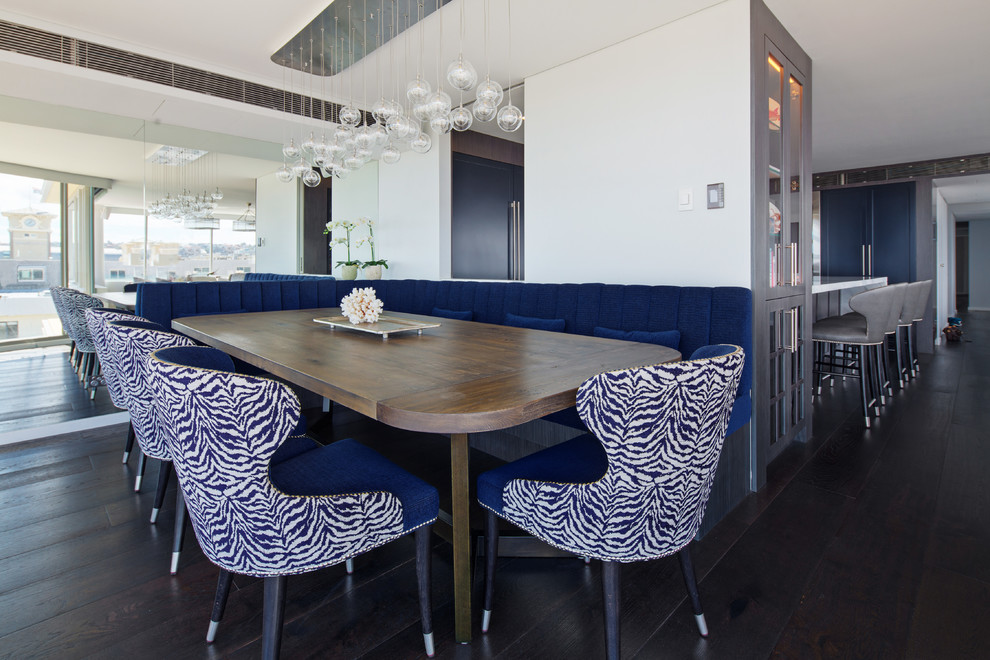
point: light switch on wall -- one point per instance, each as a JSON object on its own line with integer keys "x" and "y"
{"x": 685, "y": 199}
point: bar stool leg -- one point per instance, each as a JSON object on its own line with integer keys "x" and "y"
{"x": 864, "y": 383}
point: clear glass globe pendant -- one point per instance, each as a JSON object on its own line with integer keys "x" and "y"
{"x": 509, "y": 118}
{"x": 461, "y": 75}
{"x": 461, "y": 118}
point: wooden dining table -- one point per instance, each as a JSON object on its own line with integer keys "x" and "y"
{"x": 458, "y": 378}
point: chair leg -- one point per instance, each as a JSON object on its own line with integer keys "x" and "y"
{"x": 274, "y": 609}
{"x": 142, "y": 461}
{"x": 912, "y": 355}
{"x": 423, "y": 573}
{"x": 901, "y": 367}
{"x": 219, "y": 604}
{"x": 611, "y": 589}
{"x": 880, "y": 359}
{"x": 164, "y": 472}
{"x": 179, "y": 531}
{"x": 691, "y": 582}
{"x": 129, "y": 444}
{"x": 491, "y": 556}
{"x": 864, "y": 383}
{"x": 94, "y": 379}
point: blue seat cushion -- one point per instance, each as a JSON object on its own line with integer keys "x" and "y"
{"x": 712, "y": 351}
{"x": 465, "y": 315}
{"x": 294, "y": 445}
{"x": 533, "y": 323}
{"x": 578, "y": 461}
{"x": 668, "y": 338}
{"x": 347, "y": 466}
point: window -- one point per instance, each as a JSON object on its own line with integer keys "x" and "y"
{"x": 27, "y": 274}
{"x": 117, "y": 274}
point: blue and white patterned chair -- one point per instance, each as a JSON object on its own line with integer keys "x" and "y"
{"x": 74, "y": 306}
{"x": 129, "y": 343}
{"x": 58, "y": 301}
{"x": 636, "y": 489}
{"x": 97, "y": 319}
{"x": 254, "y": 516}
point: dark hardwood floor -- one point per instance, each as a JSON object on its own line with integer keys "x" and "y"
{"x": 864, "y": 544}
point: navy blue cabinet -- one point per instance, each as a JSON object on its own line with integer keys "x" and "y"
{"x": 869, "y": 231}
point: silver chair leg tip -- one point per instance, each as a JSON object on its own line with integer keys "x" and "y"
{"x": 127, "y": 455}
{"x": 211, "y": 634}
{"x": 349, "y": 566}
{"x": 154, "y": 516}
{"x": 486, "y": 619}
{"x": 702, "y": 624}
{"x": 137, "y": 484}
{"x": 428, "y": 641}
{"x": 175, "y": 563}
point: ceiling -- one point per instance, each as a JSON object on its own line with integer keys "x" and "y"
{"x": 894, "y": 80}
{"x": 967, "y": 196}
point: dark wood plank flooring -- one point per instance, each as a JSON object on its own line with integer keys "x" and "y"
{"x": 38, "y": 389}
{"x": 864, "y": 544}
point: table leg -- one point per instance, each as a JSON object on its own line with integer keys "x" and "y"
{"x": 461, "y": 507}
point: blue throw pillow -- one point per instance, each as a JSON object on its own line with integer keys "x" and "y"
{"x": 457, "y": 315}
{"x": 533, "y": 323}
{"x": 668, "y": 338}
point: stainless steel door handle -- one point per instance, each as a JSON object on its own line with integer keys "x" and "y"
{"x": 862, "y": 254}
{"x": 869, "y": 257}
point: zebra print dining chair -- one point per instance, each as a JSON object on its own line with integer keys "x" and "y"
{"x": 258, "y": 517}
{"x": 74, "y": 306}
{"x": 633, "y": 490}
{"x": 96, "y": 319}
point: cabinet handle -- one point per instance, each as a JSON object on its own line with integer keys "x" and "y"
{"x": 518, "y": 245}
{"x": 869, "y": 257}
{"x": 862, "y": 255}
{"x": 793, "y": 279}
{"x": 793, "y": 312}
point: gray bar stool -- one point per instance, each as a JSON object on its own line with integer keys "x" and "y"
{"x": 865, "y": 332}
{"x": 914, "y": 311}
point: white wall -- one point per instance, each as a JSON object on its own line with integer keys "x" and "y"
{"x": 352, "y": 198}
{"x": 611, "y": 137}
{"x": 979, "y": 266}
{"x": 279, "y": 217}
{"x": 945, "y": 232}
{"x": 409, "y": 203}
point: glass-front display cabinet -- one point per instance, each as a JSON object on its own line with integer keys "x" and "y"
{"x": 782, "y": 266}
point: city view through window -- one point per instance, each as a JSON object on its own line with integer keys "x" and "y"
{"x": 124, "y": 250}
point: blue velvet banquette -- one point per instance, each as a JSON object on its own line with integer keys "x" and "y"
{"x": 686, "y": 317}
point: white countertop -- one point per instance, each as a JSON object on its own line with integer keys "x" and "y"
{"x": 825, "y": 284}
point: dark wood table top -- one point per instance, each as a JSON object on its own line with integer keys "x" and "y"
{"x": 461, "y": 377}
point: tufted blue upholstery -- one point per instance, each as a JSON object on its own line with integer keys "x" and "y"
{"x": 458, "y": 315}
{"x": 662, "y": 429}
{"x": 257, "y": 519}
{"x": 267, "y": 277}
{"x": 702, "y": 315}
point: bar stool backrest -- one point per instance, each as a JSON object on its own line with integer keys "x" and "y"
{"x": 898, "y": 297}
{"x": 875, "y": 306}
{"x": 922, "y": 291}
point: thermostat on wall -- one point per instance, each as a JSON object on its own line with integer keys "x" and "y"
{"x": 716, "y": 195}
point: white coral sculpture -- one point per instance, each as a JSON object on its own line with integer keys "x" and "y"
{"x": 361, "y": 306}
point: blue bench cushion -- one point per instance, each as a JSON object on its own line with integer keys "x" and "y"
{"x": 347, "y": 466}
{"x": 668, "y": 338}
{"x": 580, "y": 460}
{"x": 534, "y": 323}
{"x": 465, "y": 315}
